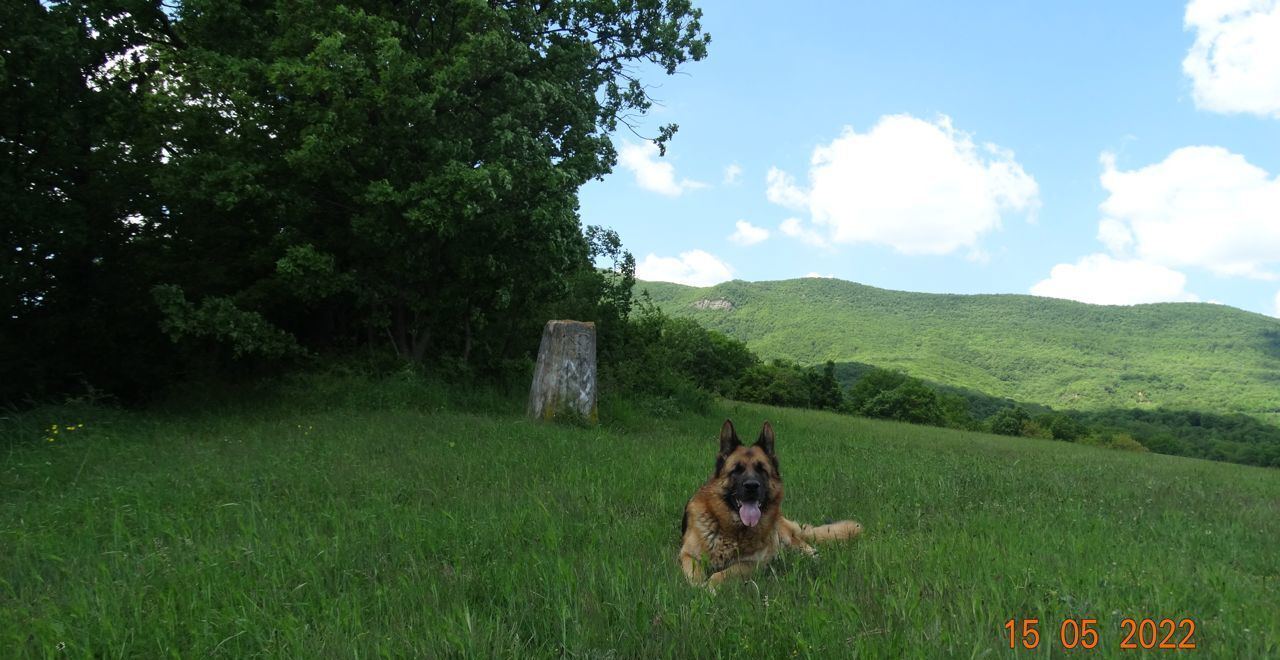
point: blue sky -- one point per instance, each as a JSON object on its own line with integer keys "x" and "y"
{"x": 1106, "y": 152}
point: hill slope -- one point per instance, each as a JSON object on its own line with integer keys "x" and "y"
{"x": 1055, "y": 352}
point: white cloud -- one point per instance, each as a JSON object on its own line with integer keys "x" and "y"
{"x": 1234, "y": 63}
{"x": 748, "y": 234}
{"x": 1201, "y": 206}
{"x": 978, "y": 256}
{"x": 1115, "y": 235}
{"x": 781, "y": 189}
{"x": 917, "y": 186}
{"x": 1102, "y": 280}
{"x": 731, "y": 174}
{"x": 652, "y": 174}
{"x": 828, "y": 276}
{"x": 794, "y": 228}
{"x": 694, "y": 268}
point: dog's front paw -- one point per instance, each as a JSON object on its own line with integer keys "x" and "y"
{"x": 713, "y": 582}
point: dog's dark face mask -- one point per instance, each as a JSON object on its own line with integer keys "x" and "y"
{"x": 751, "y": 473}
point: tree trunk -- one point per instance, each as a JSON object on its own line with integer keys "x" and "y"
{"x": 400, "y": 334}
{"x": 466, "y": 341}
{"x": 420, "y": 341}
{"x": 564, "y": 381}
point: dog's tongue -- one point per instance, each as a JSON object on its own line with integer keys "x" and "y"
{"x": 750, "y": 513}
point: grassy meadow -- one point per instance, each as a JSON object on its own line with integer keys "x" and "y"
{"x": 352, "y": 519}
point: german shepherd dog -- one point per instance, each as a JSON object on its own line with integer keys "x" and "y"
{"x": 734, "y": 522}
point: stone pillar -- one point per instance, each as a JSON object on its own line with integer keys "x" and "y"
{"x": 565, "y": 378}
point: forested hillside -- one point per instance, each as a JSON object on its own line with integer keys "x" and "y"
{"x": 1047, "y": 351}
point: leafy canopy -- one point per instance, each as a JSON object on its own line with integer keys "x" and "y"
{"x": 286, "y": 177}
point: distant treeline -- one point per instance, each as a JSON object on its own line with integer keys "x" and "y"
{"x": 1233, "y": 438}
{"x": 680, "y": 360}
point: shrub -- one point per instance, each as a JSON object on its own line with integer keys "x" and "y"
{"x": 1033, "y": 429}
{"x": 824, "y": 389}
{"x": 894, "y": 395}
{"x": 1066, "y": 428}
{"x": 1125, "y": 442}
{"x": 779, "y": 383}
{"x": 955, "y": 411}
{"x": 872, "y": 384}
{"x": 1009, "y": 421}
{"x": 711, "y": 360}
{"x": 912, "y": 401}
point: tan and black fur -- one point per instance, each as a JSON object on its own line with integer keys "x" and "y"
{"x": 745, "y": 488}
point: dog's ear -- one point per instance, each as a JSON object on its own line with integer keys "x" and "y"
{"x": 728, "y": 442}
{"x": 766, "y": 439}
{"x": 728, "y": 439}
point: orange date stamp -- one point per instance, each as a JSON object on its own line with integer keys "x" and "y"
{"x": 1083, "y": 633}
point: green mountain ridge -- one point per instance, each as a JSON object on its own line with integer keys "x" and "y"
{"x": 1060, "y": 353}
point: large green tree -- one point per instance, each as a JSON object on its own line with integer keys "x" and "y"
{"x": 77, "y": 155}
{"x": 413, "y": 166}
{"x": 280, "y": 177}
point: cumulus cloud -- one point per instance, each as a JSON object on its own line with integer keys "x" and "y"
{"x": 1115, "y": 235}
{"x": 694, "y": 268}
{"x": 1102, "y": 280}
{"x": 828, "y": 276}
{"x": 781, "y": 189}
{"x": 1234, "y": 64}
{"x": 794, "y": 228}
{"x": 748, "y": 234}
{"x": 1201, "y": 206}
{"x": 731, "y": 174}
{"x": 651, "y": 173}
{"x": 920, "y": 187}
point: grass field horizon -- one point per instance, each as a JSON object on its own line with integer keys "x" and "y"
{"x": 397, "y": 518}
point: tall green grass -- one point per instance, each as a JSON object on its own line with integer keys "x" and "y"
{"x": 349, "y": 518}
